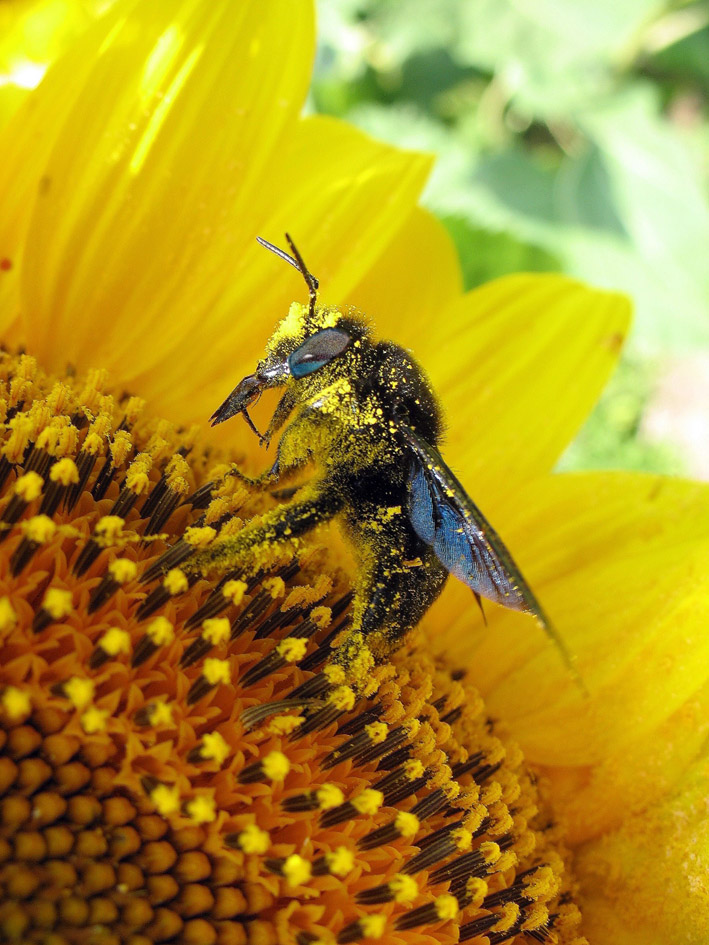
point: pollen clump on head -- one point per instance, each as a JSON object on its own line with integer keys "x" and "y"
{"x": 182, "y": 760}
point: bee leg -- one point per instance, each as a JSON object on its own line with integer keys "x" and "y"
{"x": 263, "y": 481}
{"x": 253, "y": 546}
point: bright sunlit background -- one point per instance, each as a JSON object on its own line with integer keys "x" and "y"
{"x": 570, "y": 136}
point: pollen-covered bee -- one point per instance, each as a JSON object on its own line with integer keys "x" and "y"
{"x": 364, "y": 413}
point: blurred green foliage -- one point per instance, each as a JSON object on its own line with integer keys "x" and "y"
{"x": 570, "y": 136}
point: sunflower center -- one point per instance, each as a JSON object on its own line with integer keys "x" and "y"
{"x": 178, "y": 759}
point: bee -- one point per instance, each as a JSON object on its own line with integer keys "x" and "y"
{"x": 364, "y": 413}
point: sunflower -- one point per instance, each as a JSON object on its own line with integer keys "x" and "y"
{"x": 148, "y": 790}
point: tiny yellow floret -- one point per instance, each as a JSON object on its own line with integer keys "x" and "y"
{"x": 369, "y": 801}
{"x": 15, "y": 703}
{"x": 462, "y": 838}
{"x": 166, "y": 799}
{"x": 160, "y": 631}
{"x": 343, "y": 698}
{"x": 446, "y": 906}
{"x": 202, "y": 810}
{"x": 175, "y": 582}
{"x": 199, "y": 536}
{"x": 508, "y": 917}
{"x": 329, "y": 796}
{"x": 373, "y": 926}
{"x": 109, "y": 528}
{"x": 254, "y": 840}
{"x": 79, "y": 691}
{"x": 94, "y": 720}
{"x": 161, "y": 714}
{"x": 216, "y": 630}
{"x": 296, "y": 870}
{"x": 29, "y": 486}
{"x": 377, "y": 732}
{"x": 8, "y": 617}
{"x": 340, "y": 861}
{"x": 214, "y": 747}
{"x": 275, "y": 586}
{"x": 123, "y": 570}
{"x": 404, "y": 888}
{"x": 490, "y": 852}
{"x": 65, "y": 472}
{"x": 414, "y": 769}
{"x": 477, "y": 889}
{"x": 234, "y": 591}
{"x": 275, "y": 765}
{"x": 293, "y": 649}
{"x": 535, "y": 916}
{"x": 39, "y": 529}
{"x": 216, "y": 671}
{"x": 407, "y": 824}
{"x": 115, "y": 641}
{"x": 58, "y": 603}
{"x": 334, "y": 674}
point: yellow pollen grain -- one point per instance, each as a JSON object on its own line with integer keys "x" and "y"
{"x": 15, "y": 702}
{"x": 29, "y": 486}
{"x": 407, "y": 824}
{"x": 214, "y": 747}
{"x": 462, "y": 838}
{"x": 199, "y": 536}
{"x": 39, "y": 529}
{"x": 108, "y": 529}
{"x": 329, "y": 796}
{"x": 65, "y": 472}
{"x": 275, "y": 586}
{"x": 414, "y": 769}
{"x": 79, "y": 691}
{"x": 275, "y": 765}
{"x": 57, "y": 603}
{"x": 293, "y": 649}
{"x": 368, "y": 802}
{"x": 321, "y": 617}
{"x": 334, "y": 674}
{"x": 535, "y": 916}
{"x": 404, "y": 888}
{"x": 201, "y": 810}
{"x": 175, "y": 582}
{"x": 507, "y": 860}
{"x": 115, "y": 641}
{"x": 508, "y": 917}
{"x": 8, "y": 617}
{"x": 296, "y": 870}
{"x": 216, "y": 671}
{"x": 343, "y": 698}
{"x": 166, "y": 799}
{"x": 377, "y": 732}
{"x": 254, "y": 840}
{"x": 161, "y": 714}
{"x": 340, "y": 861}
{"x": 123, "y": 570}
{"x": 446, "y": 906}
{"x": 94, "y": 720}
{"x": 284, "y": 724}
{"x": 216, "y": 630}
{"x": 160, "y": 631}
{"x": 490, "y": 852}
{"x": 137, "y": 479}
{"x": 373, "y": 926}
{"x": 120, "y": 447}
{"x": 477, "y": 889}
{"x": 234, "y": 591}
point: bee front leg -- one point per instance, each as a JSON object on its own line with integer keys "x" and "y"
{"x": 253, "y": 546}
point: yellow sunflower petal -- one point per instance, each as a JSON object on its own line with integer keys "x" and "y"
{"x": 322, "y": 185}
{"x": 406, "y": 290}
{"x": 151, "y": 164}
{"x": 646, "y": 883}
{"x": 619, "y": 562}
{"x": 519, "y": 363}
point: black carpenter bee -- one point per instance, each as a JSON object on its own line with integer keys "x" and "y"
{"x": 365, "y": 414}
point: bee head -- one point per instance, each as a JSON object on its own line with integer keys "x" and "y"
{"x": 310, "y": 339}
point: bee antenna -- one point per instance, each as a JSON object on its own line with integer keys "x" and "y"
{"x": 296, "y": 261}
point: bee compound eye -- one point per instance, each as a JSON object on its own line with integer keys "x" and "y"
{"x": 317, "y": 351}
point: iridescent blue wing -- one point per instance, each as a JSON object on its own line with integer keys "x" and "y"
{"x": 444, "y": 516}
